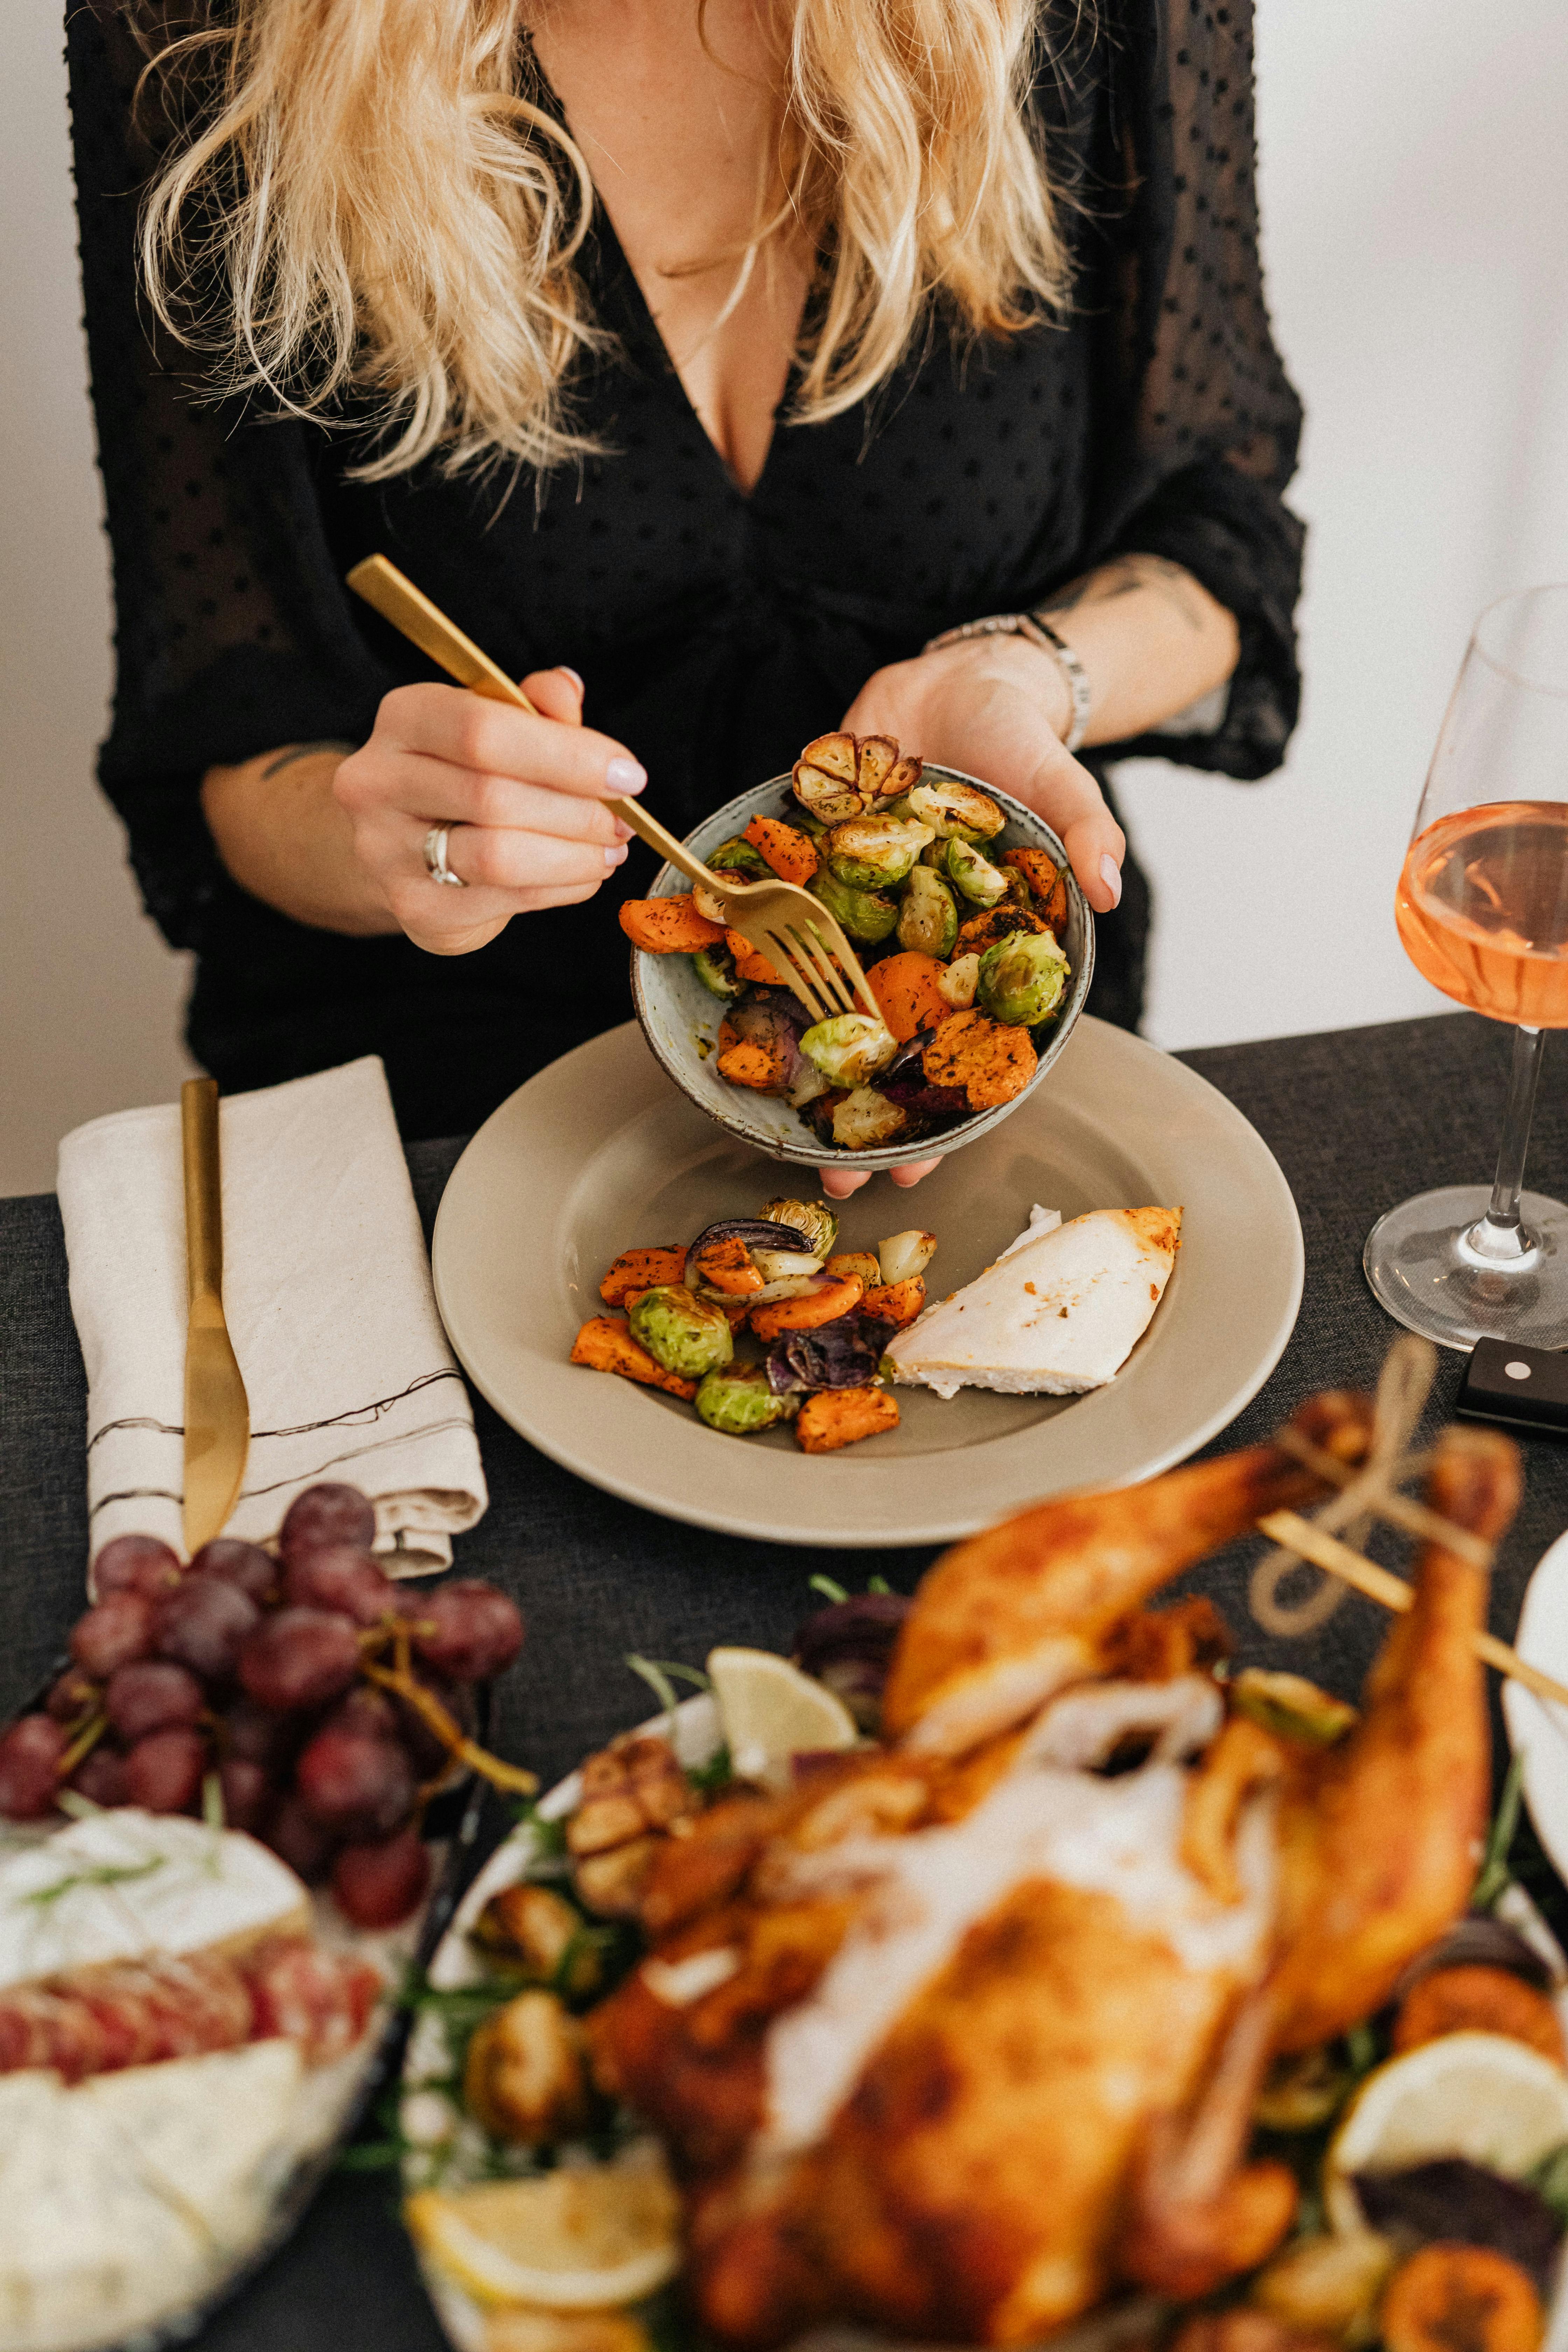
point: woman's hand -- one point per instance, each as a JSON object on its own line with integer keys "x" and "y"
{"x": 523, "y": 796}
{"x": 996, "y": 708}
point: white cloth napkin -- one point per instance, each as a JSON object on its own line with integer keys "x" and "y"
{"x": 328, "y": 1300}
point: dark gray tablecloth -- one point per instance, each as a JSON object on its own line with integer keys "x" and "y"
{"x": 1357, "y": 1119}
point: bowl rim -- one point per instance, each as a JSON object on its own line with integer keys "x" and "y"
{"x": 808, "y": 1152}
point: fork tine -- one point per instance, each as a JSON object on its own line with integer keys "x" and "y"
{"x": 853, "y": 985}
{"x": 810, "y": 941}
{"x": 781, "y": 952}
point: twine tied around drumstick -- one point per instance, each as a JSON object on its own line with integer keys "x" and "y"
{"x": 1329, "y": 1539}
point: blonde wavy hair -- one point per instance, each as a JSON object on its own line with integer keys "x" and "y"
{"x": 370, "y": 203}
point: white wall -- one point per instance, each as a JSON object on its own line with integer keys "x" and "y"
{"x": 90, "y": 996}
{"x": 1415, "y": 189}
{"x": 1416, "y": 199}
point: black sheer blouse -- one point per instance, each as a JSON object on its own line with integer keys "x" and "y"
{"x": 717, "y": 631}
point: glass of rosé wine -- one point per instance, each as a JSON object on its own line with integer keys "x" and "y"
{"x": 1482, "y": 909}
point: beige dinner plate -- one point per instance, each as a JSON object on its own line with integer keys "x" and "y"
{"x": 599, "y": 1154}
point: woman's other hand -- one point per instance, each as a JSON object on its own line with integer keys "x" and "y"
{"x": 524, "y": 797}
{"x": 996, "y": 708}
{"x": 839, "y": 1182}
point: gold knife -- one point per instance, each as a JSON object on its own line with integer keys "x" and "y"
{"x": 217, "y": 1411}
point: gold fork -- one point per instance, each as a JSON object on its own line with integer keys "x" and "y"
{"x": 791, "y": 929}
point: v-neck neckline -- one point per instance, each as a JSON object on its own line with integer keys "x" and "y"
{"x": 603, "y": 228}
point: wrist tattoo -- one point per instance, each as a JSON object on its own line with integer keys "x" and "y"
{"x": 1124, "y": 576}
{"x": 305, "y": 752}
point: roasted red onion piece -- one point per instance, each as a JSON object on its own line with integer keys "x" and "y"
{"x": 849, "y": 1646}
{"x": 1478, "y": 1941}
{"x": 843, "y": 1354}
{"x": 1450, "y": 2199}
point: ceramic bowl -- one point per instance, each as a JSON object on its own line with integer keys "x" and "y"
{"x": 680, "y": 1018}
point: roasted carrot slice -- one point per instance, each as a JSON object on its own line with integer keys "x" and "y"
{"x": 668, "y": 926}
{"x": 1453, "y": 2298}
{"x": 791, "y": 853}
{"x": 641, "y": 1269}
{"x": 897, "y": 1302}
{"x": 991, "y": 1060}
{"x": 727, "y": 1266}
{"x": 749, "y": 964}
{"x": 1478, "y": 2001}
{"x": 750, "y": 1065}
{"x": 1047, "y": 884}
{"x": 836, "y": 1417}
{"x": 905, "y": 986}
{"x": 815, "y": 1306}
{"x": 606, "y": 1345}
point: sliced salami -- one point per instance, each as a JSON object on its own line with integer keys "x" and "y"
{"x": 321, "y": 2000}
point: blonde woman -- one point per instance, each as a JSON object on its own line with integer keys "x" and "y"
{"x": 706, "y": 359}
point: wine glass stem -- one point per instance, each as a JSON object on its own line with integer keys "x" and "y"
{"x": 1498, "y": 1233}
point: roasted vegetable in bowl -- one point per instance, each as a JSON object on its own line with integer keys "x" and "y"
{"x": 912, "y": 870}
{"x": 824, "y": 1322}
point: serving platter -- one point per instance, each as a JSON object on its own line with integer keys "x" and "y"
{"x": 442, "y": 2148}
{"x": 599, "y": 1154}
{"x": 1537, "y": 1730}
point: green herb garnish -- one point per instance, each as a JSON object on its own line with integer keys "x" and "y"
{"x": 98, "y": 1874}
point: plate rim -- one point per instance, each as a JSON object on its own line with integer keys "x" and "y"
{"x": 863, "y": 1530}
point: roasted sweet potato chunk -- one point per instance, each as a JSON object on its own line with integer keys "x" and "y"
{"x": 749, "y": 1064}
{"x": 983, "y": 931}
{"x": 1478, "y": 2001}
{"x": 791, "y": 853}
{"x": 1453, "y": 2298}
{"x": 749, "y": 963}
{"x": 727, "y": 1266}
{"x": 906, "y": 987}
{"x": 1047, "y": 884}
{"x": 992, "y": 1061}
{"x": 641, "y": 1269}
{"x": 836, "y": 1417}
{"x": 669, "y": 926}
{"x": 606, "y": 1345}
{"x": 895, "y": 1302}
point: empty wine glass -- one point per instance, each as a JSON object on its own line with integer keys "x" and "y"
{"x": 1482, "y": 909}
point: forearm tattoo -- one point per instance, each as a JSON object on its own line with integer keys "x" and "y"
{"x": 1124, "y": 576}
{"x": 303, "y": 751}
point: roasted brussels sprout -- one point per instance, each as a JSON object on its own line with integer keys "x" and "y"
{"x": 974, "y": 876}
{"x": 866, "y": 1119}
{"x": 739, "y": 855}
{"x": 928, "y": 916}
{"x": 868, "y": 916}
{"x": 849, "y": 1048}
{"x": 681, "y": 1331}
{"x": 1021, "y": 978}
{"x": 815, "y": 1219}
{"x": 715, "y": 969}
{"x": 738, "y": 1400}
{"x": 954, "y": 812}
{"x": 874, "y": 853}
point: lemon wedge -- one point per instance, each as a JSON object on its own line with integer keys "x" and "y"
{"x": 771, "y": 1711}
{"x": 589, "y": 2239}
{"x": 1479, "y": 2096}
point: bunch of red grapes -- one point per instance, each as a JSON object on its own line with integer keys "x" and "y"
{"x": 275, "y": 1674}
